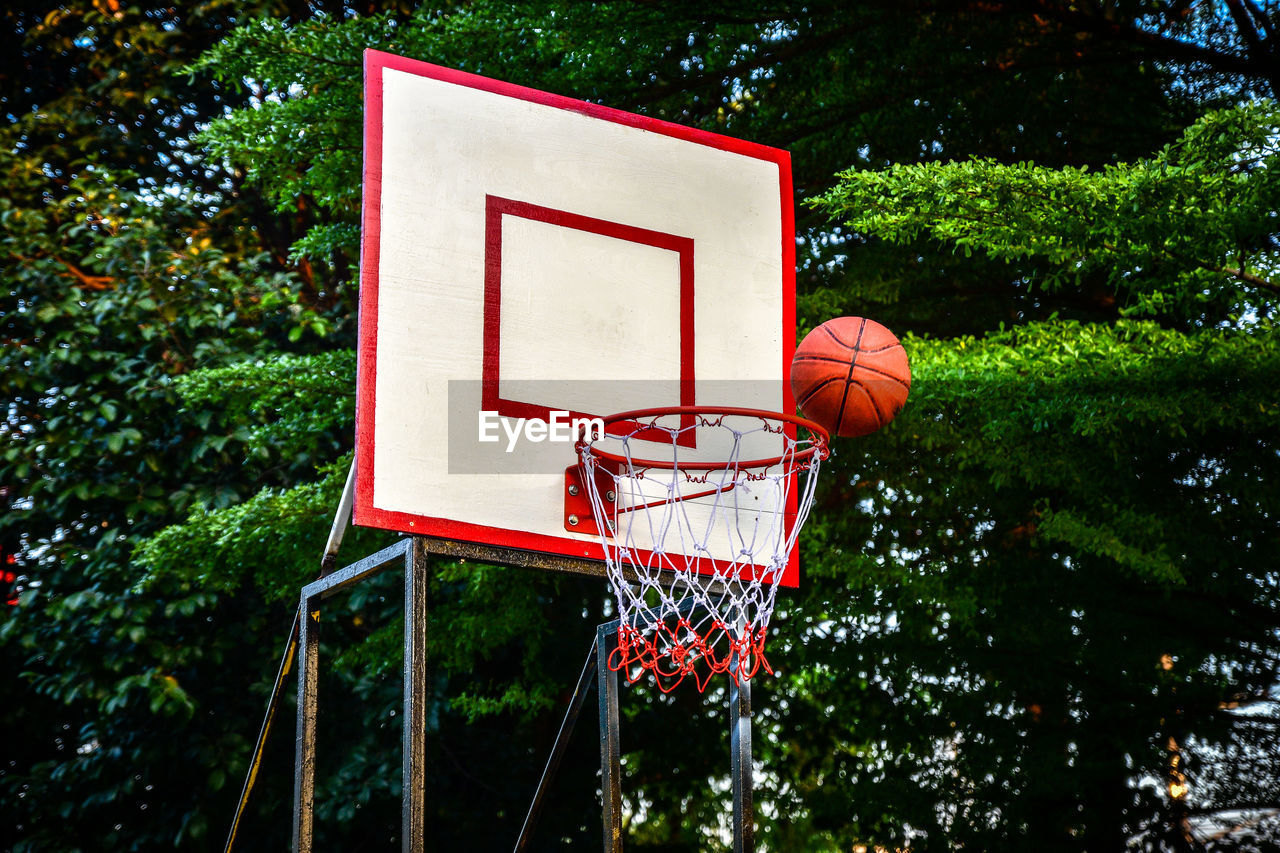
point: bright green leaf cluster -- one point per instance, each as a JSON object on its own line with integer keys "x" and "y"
{"x": 1187, "y": 233}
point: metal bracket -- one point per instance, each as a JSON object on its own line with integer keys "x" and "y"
{"x": 579, "y": 517}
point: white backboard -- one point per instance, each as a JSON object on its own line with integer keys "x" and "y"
{"x": 526, "y": 253}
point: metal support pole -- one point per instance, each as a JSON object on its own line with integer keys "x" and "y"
{"x": 414, "y": 735}
{"x": 341, "y": 519}
{"x": 273, "y": 706}
{"x": 744, "y": 831}
{"x": 576, "y": 702}
{"x": 304, "y": 776}
{"x": 610, "y": 747}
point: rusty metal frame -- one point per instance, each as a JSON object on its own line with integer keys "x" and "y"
{"x": 413, "y": 553}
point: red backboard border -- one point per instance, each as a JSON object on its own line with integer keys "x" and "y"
{"x": 368, "y": 515}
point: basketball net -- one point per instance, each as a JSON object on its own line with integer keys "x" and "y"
{"x": 695, "y": 546}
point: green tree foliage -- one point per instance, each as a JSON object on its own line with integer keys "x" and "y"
{"x": 127, "y": 261}
{"x": 818, "y": 81}
{"x": 109, "y": 295}
{"x": 1023, "y": 601}
{"x": 1111, "y": 594}
{"x": 1186, "y": 236}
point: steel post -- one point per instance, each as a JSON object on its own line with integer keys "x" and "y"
{"x": 304, "y": 774}
{"x": 414, "y": 734}
{"x": 744, "y": 834}
{"x": 610, "y": 746}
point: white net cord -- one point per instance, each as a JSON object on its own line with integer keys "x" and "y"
{"x": 695, "y": 546}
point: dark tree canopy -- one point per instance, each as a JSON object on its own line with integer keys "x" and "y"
{"x": 1039, "y": 610}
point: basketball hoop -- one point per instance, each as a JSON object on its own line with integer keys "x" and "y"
{"x": 698, "y": 510}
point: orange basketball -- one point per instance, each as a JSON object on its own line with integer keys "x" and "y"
{"x": 850, "y": 375}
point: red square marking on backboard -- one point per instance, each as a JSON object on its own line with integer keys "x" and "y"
{"x": 496, "y": 208}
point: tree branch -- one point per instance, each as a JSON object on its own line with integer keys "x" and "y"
{"x": 1171, "y": 47}
{"x": 1245, "y": 276}
{"x": 1260, "y": 18}
{"x": 1245, "y": 26}
{"x": 1265, "y": 805}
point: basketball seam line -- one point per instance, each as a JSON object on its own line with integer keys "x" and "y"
{"x": 848, "y": 346}
{"x": 858, "y": 345}
{"x": 853, "y": 360}
{"x": 813, "y": 392}
{"x": 871, "y": 398}
{"x": 874, "y": 370}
